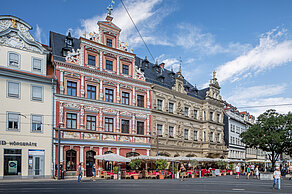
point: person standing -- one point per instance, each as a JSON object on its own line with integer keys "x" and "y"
{"x": 182, "y": 170}
{"x": 237, "y": 168}
{"x": 79, "y": 172}
{"x": 248, "y": 172}
{"x": 277, "y": 178}
{"x": 257, "y": 172}
{"x": 252, "y": 169}
{"x": 93, "y": 172}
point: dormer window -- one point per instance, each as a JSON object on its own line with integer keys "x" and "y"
{"x": 69, "y": 42}
{"x": 109, "y": 42}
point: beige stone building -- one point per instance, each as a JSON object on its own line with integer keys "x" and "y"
{"x": 26, "y": 103}
{"x": 187, "y": 121}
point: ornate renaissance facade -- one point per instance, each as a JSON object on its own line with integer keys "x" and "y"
{"x": 103, "y": 103}
{"x": 187, "y": 121}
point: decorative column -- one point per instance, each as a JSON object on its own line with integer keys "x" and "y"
{"x": 133, "y": 124}
{"x": 118, "y": 121}
{"x": 81, "y": 158}
{"x": 148, "y": 125}
{"x": 118, "y": 93}
{"x": 62, "y": 82}
{"x": 118, "y": 65}
{"x": 148, "y": 98}
{"x": 100, "y": 119}
{"x": 82, "y": 116}
{"x": 61, "y": 113}
{"x": 134, "y": 96}
{"x": 148, "y": 151}
{"x": 100, "y": 151}
{"x": 100, "y": 61}
{"x": 82, "y": 86}
{"x": 118, "y": 151}
{"x": 61, "y": 154}
{"x": 82, "y": 53}
{"x": 100, "y": 90}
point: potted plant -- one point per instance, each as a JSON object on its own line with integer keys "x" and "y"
{"x": 135, "y": 165}
{"x": 231, "y": 168}
{"x": 116, "y": 171}
{"x": 194, "y": 164}
{"x": 161, "y": 165}
{"x": 222, "y": 165}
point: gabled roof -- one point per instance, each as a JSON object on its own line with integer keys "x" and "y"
{"x": 109, "y": 24}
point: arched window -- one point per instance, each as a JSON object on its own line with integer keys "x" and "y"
{"x": 108, "y": 152}
{"x": 176, "y": 155}
{"x": 70, "y": 160}
{"x": 190, "y": 155}
{"x": 130, "y": 154}
{"x": 164, "y": 154}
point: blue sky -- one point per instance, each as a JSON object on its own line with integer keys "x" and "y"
{"x": 248, "y": 42}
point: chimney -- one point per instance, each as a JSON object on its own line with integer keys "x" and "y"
{"x": 162, "y": 65}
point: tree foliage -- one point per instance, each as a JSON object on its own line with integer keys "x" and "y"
{"x": 271, "y": 133}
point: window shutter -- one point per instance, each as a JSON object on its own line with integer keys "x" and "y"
{"x": 36, "y": 93}
{"x": 13, "y": 89}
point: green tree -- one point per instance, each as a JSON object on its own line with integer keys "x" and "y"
{"x": 271, "y": 133}
{"x": 135, "y": 164}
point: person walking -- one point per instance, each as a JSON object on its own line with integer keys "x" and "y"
{"x": 252, "y": 169}
{"x": 181, "y": 171}
{"x": 277, "y": 178}
{"x": 93, "y": 172}
{"x": 237, "y": 168}
{"x": 79, "y": 172}
{"x": 257, "y": 172}
{"x": 248, "y": 172}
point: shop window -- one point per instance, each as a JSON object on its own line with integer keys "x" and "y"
{"x": 91, "y": 92}
{"x": 91, "y": 60}
{"x": 37, "y": 93}
{"x": 109, "y": 124}
{"x": 140, "y": 100}
{"x": 109, "y": 93}
{"x": 71, "y": 88}
{"x": 125, "y": 69}
{"x": 125, "y": 98}
{"x": 90, "y": 123}
{"x": 13, "y": 89}
{"x": 37, "y": 65}
{"x": 71, "y": 121}
{"x": 170, "y": 131}
{"x": 12, "y": 162}
{"x": 13, "y": 121}
{"x": 140, "y": 128}
{"x": 125, "y": 126}
{"x": 36, "y": 125}
{"x": 71, "y": 160}
{"x": 14, "y": 59}
{"x": 109, "y": 65}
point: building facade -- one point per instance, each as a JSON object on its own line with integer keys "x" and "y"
{"x": 26, "y": 103}
{"x": 185, "y": 121}
{"x": 234, "y": 125}
{"x": 103, "y": 103}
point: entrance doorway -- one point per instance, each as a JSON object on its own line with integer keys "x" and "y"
{"x": 89, "y": 162}
{"x": 36, "y": 162}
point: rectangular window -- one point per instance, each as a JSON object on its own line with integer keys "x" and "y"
{"x": 140, "y": 128}
{"x": 125, "y": 69}
{"x": 12, "y": 162}
{"x": 109, "y": 124}
{"x": 196, "y": 114}
{"x": 195, "y": 135}
{"x": 186, "y": 134}
{"x": 237, "y": 130}
{"x": 140, "y": 100}
{"x": 37, "y": 65}
{"x": 218, "y": 137}
{"x": 109, "y": 42}
{"x": 204, "y": 114}
{"x": 109, "y": 95}
{"x": 71, "y": 88}
{"x": 211, "y": 136}
{"x": 159, "y": 130}
{"x": 91, "y": 92}
{"x": 90, "y": 123}
{"x": 186, "y": 111}
{"x": 36, "y": 123}
{"x": 91, "y": 60}
{"x": 71, "y": 121}
{"x": 13, "y": 89}
{"x": 37, "y": 93}
{"x": 204, "y": 135}
{"x": 125, "y": 98}
{"x": 170, "y": 107}
{"x": 109, "y": 65}
{"x": 218, "y": 118}
{"x": 159, "y": 104}
{"x": 125, "y": 126}
{"x": 170, "y": 131}
{"x": 232, "y": 127}
{"x": 211, "y": 116}
{"x": 13, "y": 59}
{"x": 13, "y": 121}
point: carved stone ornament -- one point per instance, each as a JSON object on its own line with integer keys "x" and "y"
{"x": 73, "y": 56}
{"x": 138, "y": 74}
{"x": 72, "y": 105}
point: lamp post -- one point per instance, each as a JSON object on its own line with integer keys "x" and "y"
{"x": 59, "y": 139}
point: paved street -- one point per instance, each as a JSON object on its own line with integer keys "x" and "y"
{"x": 207, "y": 185}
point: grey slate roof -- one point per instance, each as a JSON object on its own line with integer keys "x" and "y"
{"x": 152, "y": 72}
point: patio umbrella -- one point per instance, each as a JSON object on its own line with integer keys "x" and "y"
{"x": 112, "y": 157}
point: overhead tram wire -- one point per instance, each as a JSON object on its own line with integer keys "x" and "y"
{"x": 262, "y": 106}
{"x": 137, "y": 30}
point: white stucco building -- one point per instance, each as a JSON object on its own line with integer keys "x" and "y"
{"x": 26, "y": 103}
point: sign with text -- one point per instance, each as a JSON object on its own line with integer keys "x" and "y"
{"x": 18, "y": 143}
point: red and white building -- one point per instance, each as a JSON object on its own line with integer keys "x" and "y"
{"x": 103, "y": 103}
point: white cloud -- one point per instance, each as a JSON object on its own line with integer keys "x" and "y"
{"x": 38, "y": 34}
{"x": 146, "y": 16}
{"x": 273, "y": 50}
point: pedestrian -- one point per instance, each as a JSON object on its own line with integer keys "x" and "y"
{"x": 248, "y": 172}
{"x": 257, "y": 172}
{"x": 181, "y": 171}
{"x": 79, "y": 172}
{"x": 252, "y": 169}
{"x": 277, "y": 178}
{"x": 93, "y": 172}
{"x": 237, "y": 171}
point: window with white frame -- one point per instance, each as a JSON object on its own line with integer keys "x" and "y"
{"x": 13, "y": 121}
{"x": 211, "y": 116}
{"x": 37, "y": 93}
{"x": 170, "y": 107}
{"x": 186, "y": 134}
{"x": 196, "y": 114}
{"x": 36, "y": 123}
{"x": 159, "y": 104}
{"x": 14, "y": 59}
{"x": 186, "y": 111}
{"x": 204, "y": 135}
{"x": 13, "y": 89}
{"x": 218, "y": 118}
{"x": 218, "y": 137}
{"x": 170, "y": 131}
{"x": 195, "y": 135}
{"x": 37, "y": 65}
{"x": 211, "y": 136}
{"x": 159, "y": 130}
